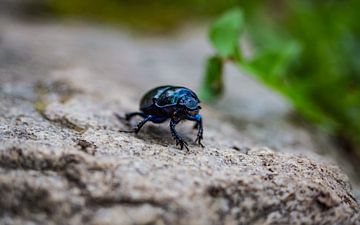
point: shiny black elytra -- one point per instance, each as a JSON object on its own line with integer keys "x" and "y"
{"x": 169, "y": 102}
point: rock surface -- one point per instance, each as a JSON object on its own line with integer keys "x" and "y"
{"x": 64, "y": 161}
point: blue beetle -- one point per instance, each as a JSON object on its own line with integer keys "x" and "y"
{"x": 169, "y": 102}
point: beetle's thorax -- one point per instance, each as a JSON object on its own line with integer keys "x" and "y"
{"x": 189, "y": 102}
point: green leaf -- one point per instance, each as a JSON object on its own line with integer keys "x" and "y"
{"x": 224, "y": 33}
{"x": 273, "y": 63}
{"x": 212, "y": 85}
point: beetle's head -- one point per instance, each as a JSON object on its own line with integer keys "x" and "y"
{"x": 190, "y": 104}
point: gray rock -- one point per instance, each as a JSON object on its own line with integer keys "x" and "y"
{"x": 64, "y": 161}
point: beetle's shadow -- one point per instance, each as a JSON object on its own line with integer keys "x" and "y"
{"x": 160, "y": 134}
{"x": 156, "y": 133}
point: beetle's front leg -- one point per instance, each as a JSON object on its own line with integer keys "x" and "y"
{"x": 179, "y": 140}
{"x": 197, "y": 118}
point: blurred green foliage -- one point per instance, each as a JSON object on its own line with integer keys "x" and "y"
{"x": 224, "y": 34}
{"x": 308, "y": 51}
{"x": 212, "y": 86}
{"x": 156, "y": 15}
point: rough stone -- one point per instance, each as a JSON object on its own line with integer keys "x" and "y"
{"x": 63, "y": 160}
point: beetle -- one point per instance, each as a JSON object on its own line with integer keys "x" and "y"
{"x": 169, "y": 102}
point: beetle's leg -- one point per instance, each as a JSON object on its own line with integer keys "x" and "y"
{"x": 179, "y": 140}
{"x": 128, "y": 116}
{"x": 141, "y": 124}
{"x": 199, "y": 126}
